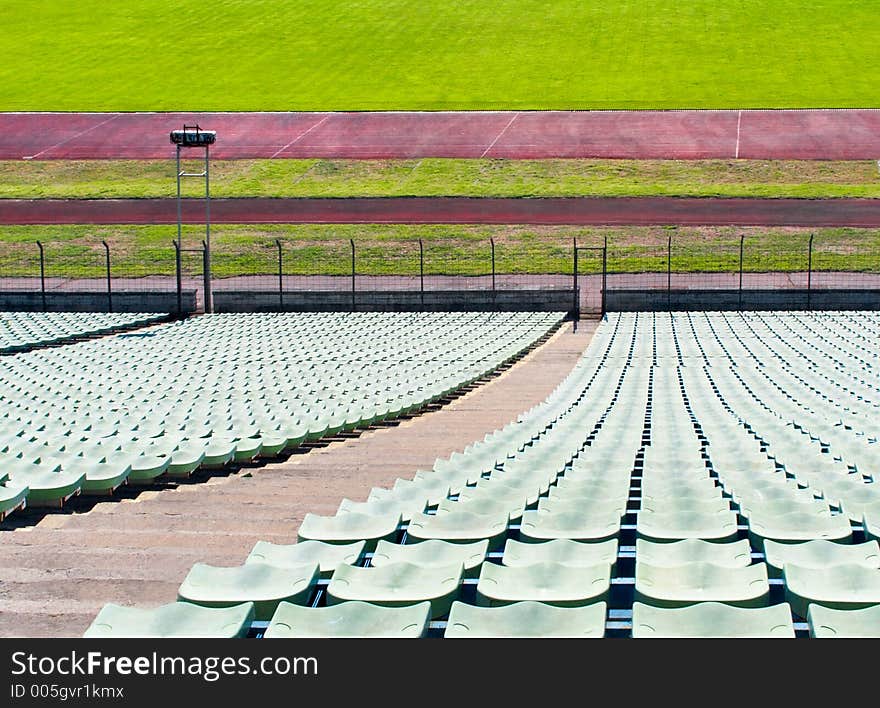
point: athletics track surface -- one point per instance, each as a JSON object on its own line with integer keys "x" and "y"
{"x": 754, "y": 134}
{"x": 454, "y": 210}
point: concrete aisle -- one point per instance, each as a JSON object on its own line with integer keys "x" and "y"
{"x": 57, "y": 574}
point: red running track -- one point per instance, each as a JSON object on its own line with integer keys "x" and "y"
{"x": 793, "y": 134}
{"x": 455, "y": 210}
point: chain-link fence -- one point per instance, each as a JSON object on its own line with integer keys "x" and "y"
{"x": 84, "y": 274}
{"x": 391, "y": 273}
{"x": 645, "y": 269}
{"x": 723, "y": 271}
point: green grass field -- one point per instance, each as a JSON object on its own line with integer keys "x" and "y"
{"x": 437, "y": 54}
{"x": 435, "y": 177}
{"x": 242, "y": 250}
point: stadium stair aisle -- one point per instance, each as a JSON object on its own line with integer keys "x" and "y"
{"x": 745, "y": 504}
{"x": 57, "y": 575}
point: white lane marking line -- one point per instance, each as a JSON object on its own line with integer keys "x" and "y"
{"x": 301, "y": 135}
{"x": 498, "y": 137}
{"x": 72, "y": 137}
{"x": 738, "y": 129}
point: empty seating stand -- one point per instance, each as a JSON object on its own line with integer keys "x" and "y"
{"x": 212, "y": 391}
{"x": 695, "y": 475}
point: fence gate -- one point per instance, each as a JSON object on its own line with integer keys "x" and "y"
{"x": 192, "y": 276}
{"x": 589, "y": 280}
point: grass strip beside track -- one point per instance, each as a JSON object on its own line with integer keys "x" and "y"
{"x": 241, "y": 250}
{"x": 95, "y": 179}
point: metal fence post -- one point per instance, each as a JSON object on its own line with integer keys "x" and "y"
{"x": 669, "y": 272}
{"x": 422, "y": 273}
{"x": 494, "y": 295}
{"x": 209, "y": 297}
{"x": 492, "y": 245}
{"x": 740, "y": 299}
{"x": 179, "y": 276}
{"x": 42, "y": 275}
{"x": 604, "y": 272}
{"x": 109, "y": 288}
{"x": 810, "y": 273}
{"x": 280, "y": 275}
{"x": 575, "y": 303}
{"x": 351, "y": 241}
{"x": 206, "y": 275}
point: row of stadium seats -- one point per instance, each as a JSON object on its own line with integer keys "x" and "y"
{"x": 20, "y": 331}
{"x": 219, "y": 389}
{"x": 665, "y": 488}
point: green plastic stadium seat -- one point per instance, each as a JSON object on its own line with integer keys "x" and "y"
{"x": 349, "y": 528}
{"x": 434, "y": 491}
{"x": 820, "y": 554}
{"x": 779, "y": 507}
{"x": 872, "y": 526}
{"x": 433, "y": 553}
{"x": 856, "y": 510}
{"x": 538, "y": 526}
{"x": 560, "y": 550}
{"x": 247, "y": 449}
{"x": 734, "y": 554}
{"x": 757, "y": 494}
{"x": 219, "y": 450}
{"x": 327, "y": 555}
{"x": 100, "y": 477}
{"x": 147, "y": 467}
{"x": 264, "y": 585}
{"x": 351, "y": 619}
{"x": 47, "y": 488}
{"x": 582, "y": 505}
{"x": 405, "y": 508}
{"x": 798, "y": 526}
{"x": 177, "y": 619}
{"x": 699, "y": 495}
{"x": 712, "y": 620}
{"x": 843, "y": 587}
{"x": 602, "y": 491}
{"x": 690, "y": 583}
{"x": 714, "y": 526}
{"x": 525, "y": 619}
{"x": 459, "y": 527}
{"x": 685, "y": 505}
{"x": 502, "y": 487}
{"x": 662, "y": 485}
{"x": 397, "y": 585}
{"x": 12, "y": 498}
{"x": 826, "y": 623}
{"x": 185, "y": 459}
{"x": 486, "y": 503}
{"x": 272, "y": 443}
{"x": 550, "y": 583}
{"x": 601, "y": 488}
{"x": 410, "y": 499}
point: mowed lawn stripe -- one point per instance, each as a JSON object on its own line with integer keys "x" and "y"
{"x": 437, "y": 54}
{"x": 96, "y": 179}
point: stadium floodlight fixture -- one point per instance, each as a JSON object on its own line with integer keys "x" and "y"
{"x": 193, "y": 136}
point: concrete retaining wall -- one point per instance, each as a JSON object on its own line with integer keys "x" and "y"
{"x": 73, "y": 301}
{"x": 795, "y": 299}
{"x": 393, "y": 301}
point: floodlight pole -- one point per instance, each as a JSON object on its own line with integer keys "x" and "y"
{"x": 179, "y": 212}
{"x": 193, "y": 136}
{"x": 209, "y": 296}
